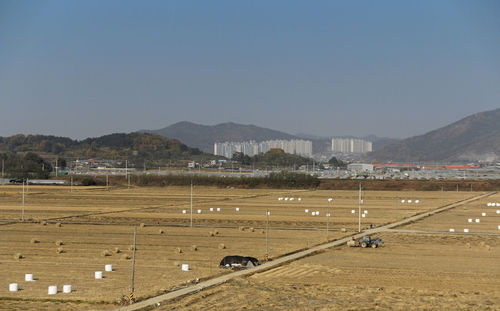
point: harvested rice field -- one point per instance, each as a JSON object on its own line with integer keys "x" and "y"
{"x": 67, "y": 235}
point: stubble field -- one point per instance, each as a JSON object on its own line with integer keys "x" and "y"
{"x": 94, "y": 219}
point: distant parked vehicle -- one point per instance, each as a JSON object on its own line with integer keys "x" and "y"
{"x": 17, "y": 181}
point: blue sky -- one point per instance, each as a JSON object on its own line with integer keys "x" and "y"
{"x": 389, "y": 68}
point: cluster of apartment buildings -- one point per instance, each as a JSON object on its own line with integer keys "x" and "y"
{"x": 351, "y": 145}
{"x": 251, "y": 148}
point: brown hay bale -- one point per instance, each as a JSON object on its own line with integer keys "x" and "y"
{"x": 482, "y": 244}
{"x": 241, "y": 228}
{"x": 211, "y": 233}
{"x": 58, "y": 224}
{"x": 105, "y": 253}
{"x": 178, "y": 250}
{"x": 222, "y": 246}
{"x": 216, "y": 232}
{"x": 343, "y": 230}
{"x": 35, "y": 240}
{"x": 43, "y": 223}
{"x": 161, "y": 231}
{"x": 18, "y": 256}
{"x": 116, "y": 250}
{"x": 252, "y": 230}
{"x": 467, "y": 245}
{"x": 177, "y": 264}
{"x": 142, "y": 225}
{"x": 194, "y": 247}
{"x": 262, "y": 231}
{"x": 59, "y": 243}
{"x": 131, "y": 248}
{"x": 125, "y": 257}
{"x": 60, "y": 250}
{"x": 487, "y": 247}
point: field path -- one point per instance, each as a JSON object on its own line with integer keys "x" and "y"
{"x": 292, "y": 257}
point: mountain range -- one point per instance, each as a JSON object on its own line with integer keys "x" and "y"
{"x": 204, "y": 136}
{"x": 473, "y": 138}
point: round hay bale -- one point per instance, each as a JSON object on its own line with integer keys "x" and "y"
{"x": 116, "y": 250}
{"x": 60, "y": 250}
{"x": 343, "y": 230}
{"x": 252, "y": 230}
{"x": 35, "y": 240}
{"x": 178, "y": 250}
{"x": 125, "y": 257}
{"x": 59, "y": 243}
{"x": 105, "y": 253}
{"x": 262, "y": 231}
{"x": 467, "y": 245}
{"x": 131, "y": 248}
{"x": 216, "y": 232}
{"x": 18, "y": 256}
{"x": 177, "y": 263}
{"x": 58, "y": 224}
{"x": 222, "y": 246}
{"x": 482, "y": 244}
{"x": 487, "y": 247}
{"x": 194, "y": 247}
{"x": 43, "y": 223}
{"x": 211, "y": 233}
{"x": 161, "y": 231}
{"x": 142, "y": 225}
{"x": 241, "y": 228}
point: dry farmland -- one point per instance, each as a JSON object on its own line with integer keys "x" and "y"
{"x": 68, "y": 235}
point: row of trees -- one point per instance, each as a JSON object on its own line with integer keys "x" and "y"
{"x": 277, "y": 157}
{"x": 273, "y": 180}
{"x": 272, "y": 158}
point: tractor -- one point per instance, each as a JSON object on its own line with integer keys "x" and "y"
{"x": 365, "y": 241}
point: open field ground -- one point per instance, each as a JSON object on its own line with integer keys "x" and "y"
{"x": 94, "y": 220}
{"x": 410, "y": 272}
{"x": 458, "y": 218}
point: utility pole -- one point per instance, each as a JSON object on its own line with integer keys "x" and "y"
{"x": 132, "y": 288}
{"x": 107, "y": 182}
{"x": 328, "y": 217}
{"x": 359, "y": 209}
{"x": 22, "y": 213}
{"x": 191, "y": 204}
{"x": 56, "y": 167}
{"x": 267, "y": 234}
{"x": 71, "y": 187}
{"x": 3, "y": 165}
{"x": 126, "y": 169}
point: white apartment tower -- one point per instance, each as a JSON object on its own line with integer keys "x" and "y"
{"x": 351, "y": 145}
{"x": 251, "y": 148}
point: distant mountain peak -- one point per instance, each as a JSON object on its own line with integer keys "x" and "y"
{"x": 473, "y": 138}
{"x": 204, "y": 136}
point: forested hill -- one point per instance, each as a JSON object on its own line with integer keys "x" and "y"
{"x": 474, "y": 138}
{"x": 133, "y": 146}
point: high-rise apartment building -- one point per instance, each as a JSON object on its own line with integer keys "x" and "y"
{"x": 351, "y": 145}
{"x": 251, "y": 148}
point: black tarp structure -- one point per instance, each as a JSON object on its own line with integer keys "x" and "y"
{"x": 231, "y": 262}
